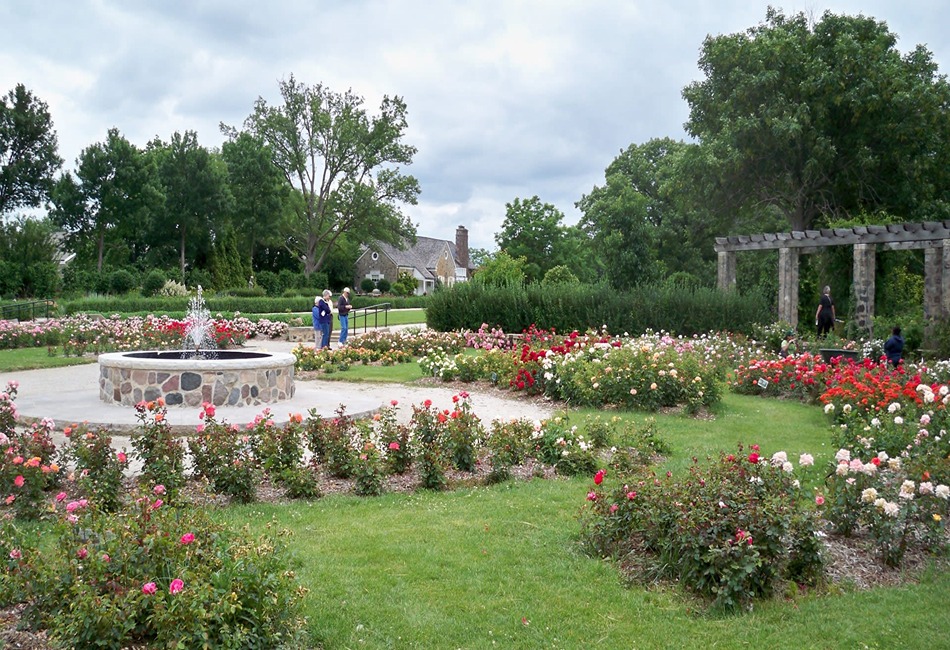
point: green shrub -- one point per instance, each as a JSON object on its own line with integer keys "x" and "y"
{"x": 159, "y": 577}
{"x": 748, "y": 527}
{"x": 367, "y": 285}
{"x": 384, "y": 285}
{"x": 121, "y": 281}
{"x": 680, "y": 310}
{"x": 559, "y": 275}
{"x": 153, "y": 282}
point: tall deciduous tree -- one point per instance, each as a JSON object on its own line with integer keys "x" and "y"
{"x": 343, "y": 162}
{"x": 196, "y": 194}
{"x": 116, "y": 192}
{"x": 532, "y": 230}
{"x": 259, "y": 190}
{"x": 28, "y": 158}
{"x": 615, "y": 216}
{"x": 822, "y": 119}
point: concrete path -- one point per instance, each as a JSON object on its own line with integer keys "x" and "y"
{"x": 70, "y": 395}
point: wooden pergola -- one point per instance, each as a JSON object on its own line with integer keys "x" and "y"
{"x": 932, "y": 236}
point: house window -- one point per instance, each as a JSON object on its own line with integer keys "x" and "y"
{"x": 375, "y": 256}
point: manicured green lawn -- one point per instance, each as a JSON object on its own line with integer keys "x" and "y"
{"x": 32, "y": 358}
{"x": 500, "y": 567}
{"x": 402, "y": 373}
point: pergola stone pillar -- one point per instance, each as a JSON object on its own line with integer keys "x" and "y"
{"x": 788, "y": 285}
{"x": 933, "y": 283}
{"x": 944, "y": 310}
{"x": 726, "y": 271}
{"x": 864, "y": 286}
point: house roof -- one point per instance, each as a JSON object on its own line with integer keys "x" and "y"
{"x": 423, "y": 256}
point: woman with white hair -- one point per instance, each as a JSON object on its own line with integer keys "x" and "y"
{"x": 323, "y": 317}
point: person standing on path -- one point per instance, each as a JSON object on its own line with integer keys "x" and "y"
{"x": 343, "y": 307}
{"x": 825, "y": 316}
{"x": 322, "y": 318}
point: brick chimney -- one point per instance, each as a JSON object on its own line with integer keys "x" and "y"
{"x": 461, "y": 247}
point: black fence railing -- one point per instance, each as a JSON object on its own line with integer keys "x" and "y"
{"x": 31, "y": 310}
{"x": 370, "y": 317}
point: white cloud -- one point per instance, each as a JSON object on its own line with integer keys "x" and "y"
{"x": 506, "y": 98}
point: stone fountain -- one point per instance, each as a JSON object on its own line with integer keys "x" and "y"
{"x": 197, "y": 373}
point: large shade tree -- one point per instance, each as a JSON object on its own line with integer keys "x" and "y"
{"x": 28, "y": 158}
{"x": 114, "y": 193}
{"x": 259, "y": 191}
{"x": 532, "y": 230}
{"x": 821, "y": 119}
{"x": 195, "y": 185}
{"x": 343, "y": 163}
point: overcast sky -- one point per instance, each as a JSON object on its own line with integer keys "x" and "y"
{"x": 506, "y": 98}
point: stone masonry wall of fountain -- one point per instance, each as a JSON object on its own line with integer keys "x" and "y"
{"x": 127, "y": 380}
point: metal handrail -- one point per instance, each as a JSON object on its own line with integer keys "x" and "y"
{"x": 365, "y": 312}
{"x": 27, "y": 310}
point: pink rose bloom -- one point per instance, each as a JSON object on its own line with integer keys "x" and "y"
{"x": 15, "y": 554}
{"x": 82, "y": 553}
{"x": 159, "y": 489}
{"x": 19, "y": 480}
{"x": 187, "y": 538}
{"x": 106, "y": 558}
{"x": 614, "y": 508}
{"x": 820, "y": 500}
{"x": 394, "y": 445}
{"x": 149, "y": 588}
{"x": 176, "y": 586}
{"x": 72, "y": 519}
{"x": 200, "y": 428}
{"x": 73, "y": 506}
{"x": 158, "y": 504}
{"x": 122, "y": 458}
{"x": 591, "y": 496}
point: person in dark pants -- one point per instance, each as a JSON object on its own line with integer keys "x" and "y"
{"x": 323, "y": 318}
{"x": 825, "y": 316}
{"x": 894, "y": 347}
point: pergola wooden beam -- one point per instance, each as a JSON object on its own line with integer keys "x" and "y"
{"x": 893, "y": 237}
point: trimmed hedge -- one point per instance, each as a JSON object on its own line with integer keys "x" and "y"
{"x": 676, "y": 309}
{"x": 225, "y": 304}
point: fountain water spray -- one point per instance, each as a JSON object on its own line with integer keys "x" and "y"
{"x": 199, "y": 328}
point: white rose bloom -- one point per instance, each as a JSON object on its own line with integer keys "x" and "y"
{"x": 894, "y": 407}
{"x": 787, "y": 467}
{"x": 942, "y": 492}
{"x": 891, "y": 509}
{"x": 829, "y": 408}
{"x": 843, "y": 454}
{"x": 869, "y": 495}
{"x": 898, "y": 420}
{"x": 926, "y": 488}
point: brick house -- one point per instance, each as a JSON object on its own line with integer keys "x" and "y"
{"x": 431, "y": 261}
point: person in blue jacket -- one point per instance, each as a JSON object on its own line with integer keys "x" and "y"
{"x": 323, "y": 318}
{"x": 894, "y": 347}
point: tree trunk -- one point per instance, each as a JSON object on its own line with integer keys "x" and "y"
{"x": 182, "y": 257}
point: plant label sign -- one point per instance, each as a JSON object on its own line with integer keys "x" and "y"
{"x": 763, "y": 383}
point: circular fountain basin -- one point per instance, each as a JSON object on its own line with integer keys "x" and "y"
{"x": 224, "y": 378}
